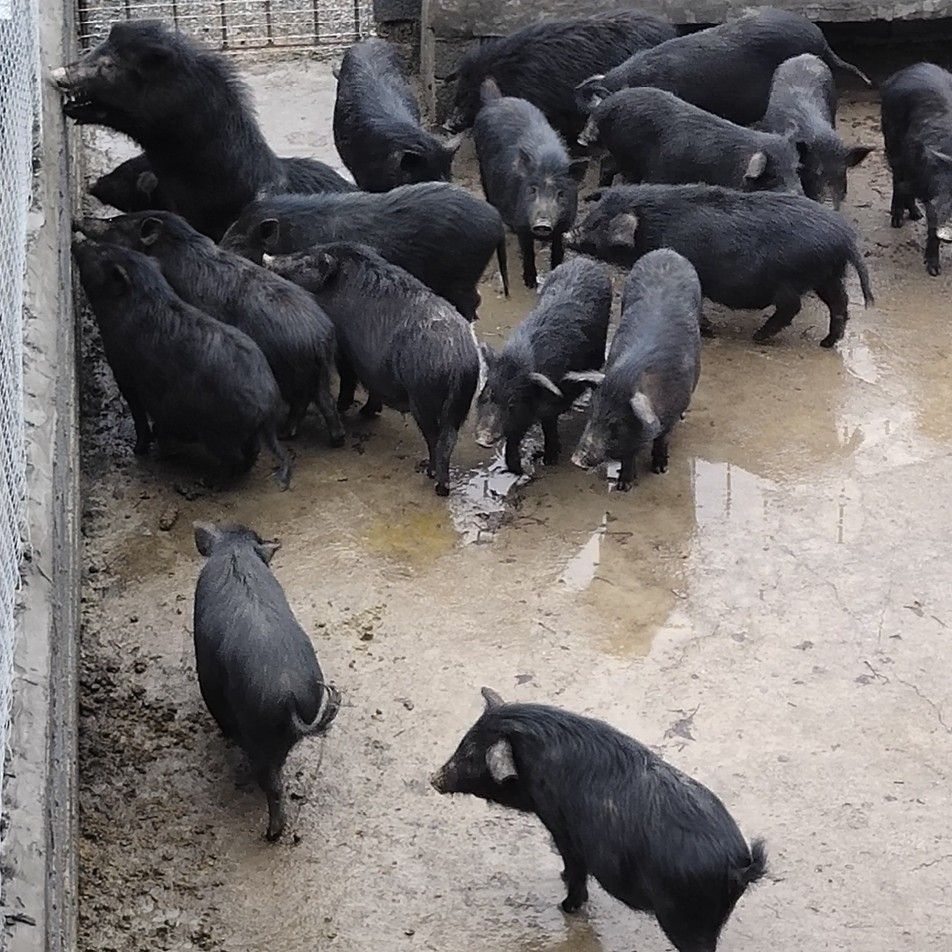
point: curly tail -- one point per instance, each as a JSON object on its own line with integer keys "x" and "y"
{"x": 859, "y": 263}
{"x": 758, "y": 863}
{"x": 834, "y": 60}
{"x": 503, "y": 264}
{"x": 330, "y": 705}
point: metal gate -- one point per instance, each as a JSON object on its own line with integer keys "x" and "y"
{"x": 238, "y": 24}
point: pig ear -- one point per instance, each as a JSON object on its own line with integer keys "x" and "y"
{"x": 489, "y": 90}
{"x": 621, "y": 231}
{"x": 266, "y": 550}
{"x": 641, "y": 407}
{"x": 591, "y": 377}
{"x": 268, "y": 232}
{"x": 120, "y": 276}
{"x": 147, "y": 183}
{"x": 206, "y": 537}
{"x": 855, "y": 154}
{"x": 578, "y": 168}
{"x": 492, "y": 698}
{"x": 756, "y": 167}
{"x": 499, "y": 760}
{"x": 327, "y": 266}
{"x": 149, "y": 231}
{"x": 541, "y": 380}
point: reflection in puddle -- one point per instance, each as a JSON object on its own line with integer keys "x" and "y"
{"x": 482, "y": 498}
{"x": 725, "y": 491}
{"x": 580, "y": 570}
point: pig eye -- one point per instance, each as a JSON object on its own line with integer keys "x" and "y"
{"x": 533, "y": 190}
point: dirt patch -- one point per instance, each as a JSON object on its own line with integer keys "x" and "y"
{"x": 771, "y": 615}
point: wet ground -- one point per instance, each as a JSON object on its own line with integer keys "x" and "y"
{"x": 773, "y": 616}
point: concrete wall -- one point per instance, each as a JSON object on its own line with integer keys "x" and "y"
{"x": 448, "y": 25}
{"x": 40, "y": 864}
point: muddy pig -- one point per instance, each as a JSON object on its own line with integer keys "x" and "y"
{"x": 652, "y": 837}
{"x": 726, "y": 69}
{"x": 187, "y": 108}
{"x": 257, "y": 670}
{"x": 377, "y": 127}
{"x": 439, "y": 233}
{"x": 544, "y": 62}
{"x": 294, "y": 334}
{"x": 750, "y": 249}
{"x": 408, "y": 347}
{"x": 133, "y": 186}
{"x": 917, "y": 129}
{"x": 802, "y": 106}
{"x": 527, "y": 174}
{"x": 526, "y": 381}
{"x": 652, "y": 136}
{"x": 652, "y": 369}
{"x": 196, "y": 379}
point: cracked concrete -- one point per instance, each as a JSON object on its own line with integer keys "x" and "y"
{"x": 771, "y": 615}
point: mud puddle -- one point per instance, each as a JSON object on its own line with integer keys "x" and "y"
{"x": 770, "y": 615}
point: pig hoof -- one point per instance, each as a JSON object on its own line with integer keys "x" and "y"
{"x": 933, "y": 268}
{"x": 274, "y": 834}
{"x": 442, "y": 489}
{"x": 623, "y": 486}
{"x": 572, "y": 904}
{"x": 659, "y": 468}
{"x": 369, "y": 410}
{"x": 531, "y": 282}
{"x": 337, "y": 440}
{"x": 914, "y": 214}
{"x": 896, "y": 221}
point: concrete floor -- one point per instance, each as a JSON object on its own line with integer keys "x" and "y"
{"x": 773, "y": 616}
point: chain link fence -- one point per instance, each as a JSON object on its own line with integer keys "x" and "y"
{"x": 19, "y": 111}
{"x": 238, "y": 24}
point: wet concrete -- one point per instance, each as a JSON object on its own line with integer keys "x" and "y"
{"x": 772, "y": 615}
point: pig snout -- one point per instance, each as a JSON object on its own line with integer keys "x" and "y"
{"x": 542, "y": 228}
{"x": 59, "y": 77}
{"x": 267, "y": 261}
{"x": 589, "y": 135}
{"x": 91, "y": 227}
{"x": 438, "y": 780}
{"x": 456, "y": 122}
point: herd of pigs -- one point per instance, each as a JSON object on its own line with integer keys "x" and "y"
{"x": 237, "y": 283}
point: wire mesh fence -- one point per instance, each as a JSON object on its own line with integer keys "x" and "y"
{"x": 238, "y": 24}
{"x": 19, "y": 98}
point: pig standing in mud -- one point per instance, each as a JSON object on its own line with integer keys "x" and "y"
{"x": 408, "y": 347}
{"x": 377, "y": 127}
{"x": 750, "y": 249}
{"x": 180, "y": 371}
{"x": 287, "y": 324}
{"x": 652, "y": 369}
{"x": 917, "y": 129}
{"x": 257, "y": 670}
{"x": 802, "y": 107}
{"x": 652, "y": 837}
{"x": 527, "y": 174}
{"x": 526, "y": 381}
{"x": 652, "y": 136}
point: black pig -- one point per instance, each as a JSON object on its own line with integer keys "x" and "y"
{"x": 651, "y": 836}
{"x": 527, "y": 174}
{"x": 653, "y": 136}
{"x": 652, "y": 369}
{"x": 544, "y": 62}
{"x": 726, "y": 69}
{"x": 802, "y": 106}
{"x": 750, "y": 249}
{"x": 257, "y": 670}
{"x": 196, "y": 379}
{"x": 407, "y": 346}
{"x": 377, "y": 127}
{"x": 439, "y": 233}
{"x": 187, "y": 108}
{"x": 917, "y": 129}
{"x": 525, "y": 382}
{"x": 133, "y": 186}
{"x": 287, "y": 324}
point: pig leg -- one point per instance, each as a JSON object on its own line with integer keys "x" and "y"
{"x": 140, "y": 418}
{"x": 269, "y": 779}
{"x": 372, "y": 407}
{"x": 527, "y": 250}
{"x": 557, "y": 252}
{"x": 328, "y": 409}
{"x": 932, "y": 240}
{"x": 553, "y": 446}
{"x": 574, "y": 876}
{"x": 467, "y": 303}
{"x": 348, "y": 386}
{"x": 296, "y": 415}
{"x": 899, "y": 203}
{"x": 626, "y": 475}
{"x": 514, "y": 452}
{"x": 607, "y": 172}
{"x": 833, "y": 295}
{"x": 786, "y": 308}
{"x": 659, "y": 454}
{"x": 706, "y": 326}
{"x": 282, "y": 472}
{"x": 441, "y": 464}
